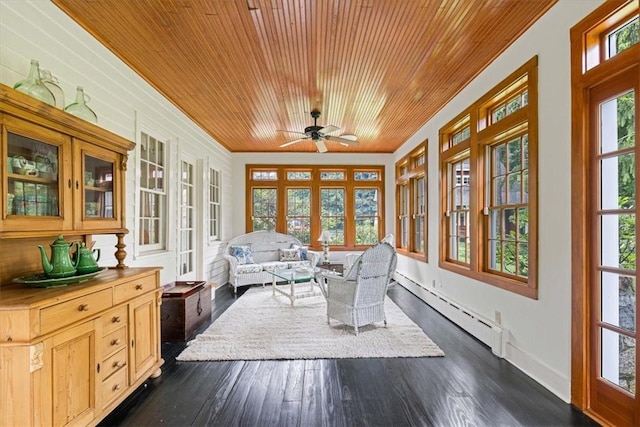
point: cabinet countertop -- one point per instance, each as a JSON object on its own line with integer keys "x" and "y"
{"x": 20, "y": 296}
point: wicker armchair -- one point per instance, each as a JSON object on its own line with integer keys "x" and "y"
{"x": 357, "y": 298}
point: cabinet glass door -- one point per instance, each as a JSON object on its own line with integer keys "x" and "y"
{"x": 98, "y": 188}
{"x": 36, "y": 184}
{"x": 98, "y": 181}
{"x": 32, "y": 177}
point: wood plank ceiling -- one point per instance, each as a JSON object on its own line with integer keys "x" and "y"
{"x": 246, "y": 69}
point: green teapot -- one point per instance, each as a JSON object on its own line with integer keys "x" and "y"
{"x": 86, "y": 261}
{"x": 60, "y": 264}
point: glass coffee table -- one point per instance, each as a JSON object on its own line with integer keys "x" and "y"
{"x": 300, "y": 283}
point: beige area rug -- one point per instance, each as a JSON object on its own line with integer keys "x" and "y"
{"x": 260, "y": 326}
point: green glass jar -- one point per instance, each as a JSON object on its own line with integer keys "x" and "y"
{"x": 80, "y": 109}
{"x": 34, "y": 87}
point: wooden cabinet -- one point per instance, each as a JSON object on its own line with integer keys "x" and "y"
{"x": 69, "y": 355}
{"x": 60, "y": 172}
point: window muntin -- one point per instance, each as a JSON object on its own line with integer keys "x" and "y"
{"x": 264, "y": 204}
{"x": 215, "y": 208}
{"x": 153, "y": 196}
{"x": 511, "y": 106}
{"x": 366, "y": 208}
{"x": 411, "y": 203}
{"x": 299, "y": 213}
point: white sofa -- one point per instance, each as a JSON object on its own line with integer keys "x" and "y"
{"x": 252, "y": 255}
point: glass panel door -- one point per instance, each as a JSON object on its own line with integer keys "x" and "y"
{"x": 613, "y": 359}
{"x": 186, "y": 255}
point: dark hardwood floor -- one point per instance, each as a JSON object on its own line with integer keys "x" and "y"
{"x": 467, "y": 387}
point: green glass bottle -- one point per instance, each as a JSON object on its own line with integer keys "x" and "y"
{"x": 33, "y": 85}
{"x": 80, "y": 109}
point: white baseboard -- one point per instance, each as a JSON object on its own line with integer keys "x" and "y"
{"x": 493, "y": 335}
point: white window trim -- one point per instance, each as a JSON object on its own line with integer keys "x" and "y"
{"x": 157, "y": 132}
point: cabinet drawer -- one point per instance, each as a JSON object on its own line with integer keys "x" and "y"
{"x": 114, "y": 386}
{"x": 114, "y": 319}
{"x": 130, "y": 290}
{"x": 114, "y": 341}
{"x": 114, "y": 362}
{"x": 66, "y": 313}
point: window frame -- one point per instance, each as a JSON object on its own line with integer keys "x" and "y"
{"x": 409, "y": 171}
{"x": 143, "y": 249}
{"x": 215, "y": 205}
{"x": 315, "y": 183}
{"x": 484, "y": 133}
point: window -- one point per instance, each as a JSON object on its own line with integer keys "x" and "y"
{"x": 264, "y": 208}
{"x": 186, "y": 232}
{"x": 214, "y": 204}
{"x": 458, "y": 243}
{"x": 411, "y": 203}
{"x": 488, "y": 204}
{"x": 153, "y": 194}
{"x": 299, "y": 214}
{"x": 347, "y": 201}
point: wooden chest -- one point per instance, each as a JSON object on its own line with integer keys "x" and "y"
{"x": 185, "y": 307}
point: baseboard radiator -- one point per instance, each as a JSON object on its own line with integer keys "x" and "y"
{"x": 480, "y": 327}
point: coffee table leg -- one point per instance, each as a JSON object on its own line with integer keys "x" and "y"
{"x": 273, "y": 286}
{"x": 293, "y": 294}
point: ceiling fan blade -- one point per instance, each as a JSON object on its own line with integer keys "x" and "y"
{"x": 328, "y": 129}
{"x": 290, "y": 131}
{"x": 342, "y": 140}
{"x": 286, "y": 144}
{"x": 322, "y": 147}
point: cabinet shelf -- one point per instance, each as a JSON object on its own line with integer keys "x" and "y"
{"x": 29, "y": 178}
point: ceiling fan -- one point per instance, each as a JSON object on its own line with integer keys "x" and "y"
{"x": 319, "y": 133}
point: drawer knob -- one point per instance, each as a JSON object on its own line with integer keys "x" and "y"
{"x": 83, "y": 307}
{"x": 115, "y": 341}
{"x": 116, "y": 387}
{"x": 115, "y": 319}
{"x": 138, "y": 287}
{"x": 118, "y": 364}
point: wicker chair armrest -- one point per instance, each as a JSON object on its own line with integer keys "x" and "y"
{"x": 233, "y": 263}
{"x": 314, "y": 257}
{"x": 340, "y": 289}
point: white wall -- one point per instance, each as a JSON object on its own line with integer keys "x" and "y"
{"x": 125, "y": 104}
{"x": 540, "y": 330}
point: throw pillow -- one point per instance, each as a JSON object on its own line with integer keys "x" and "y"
{"x": 289, "y": 255}
{"x": 303, "y": 251}
{"x": 244, "y": 254}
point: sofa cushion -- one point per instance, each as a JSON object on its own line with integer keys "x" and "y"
{"x": 274, "y": 265}
{"x": 249, "y": 268}
{"x": 244, "y": 254}
{"x": 288, "y": 255}
{"x": 298, "y": 264}
{"x": 302, "y": 249}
